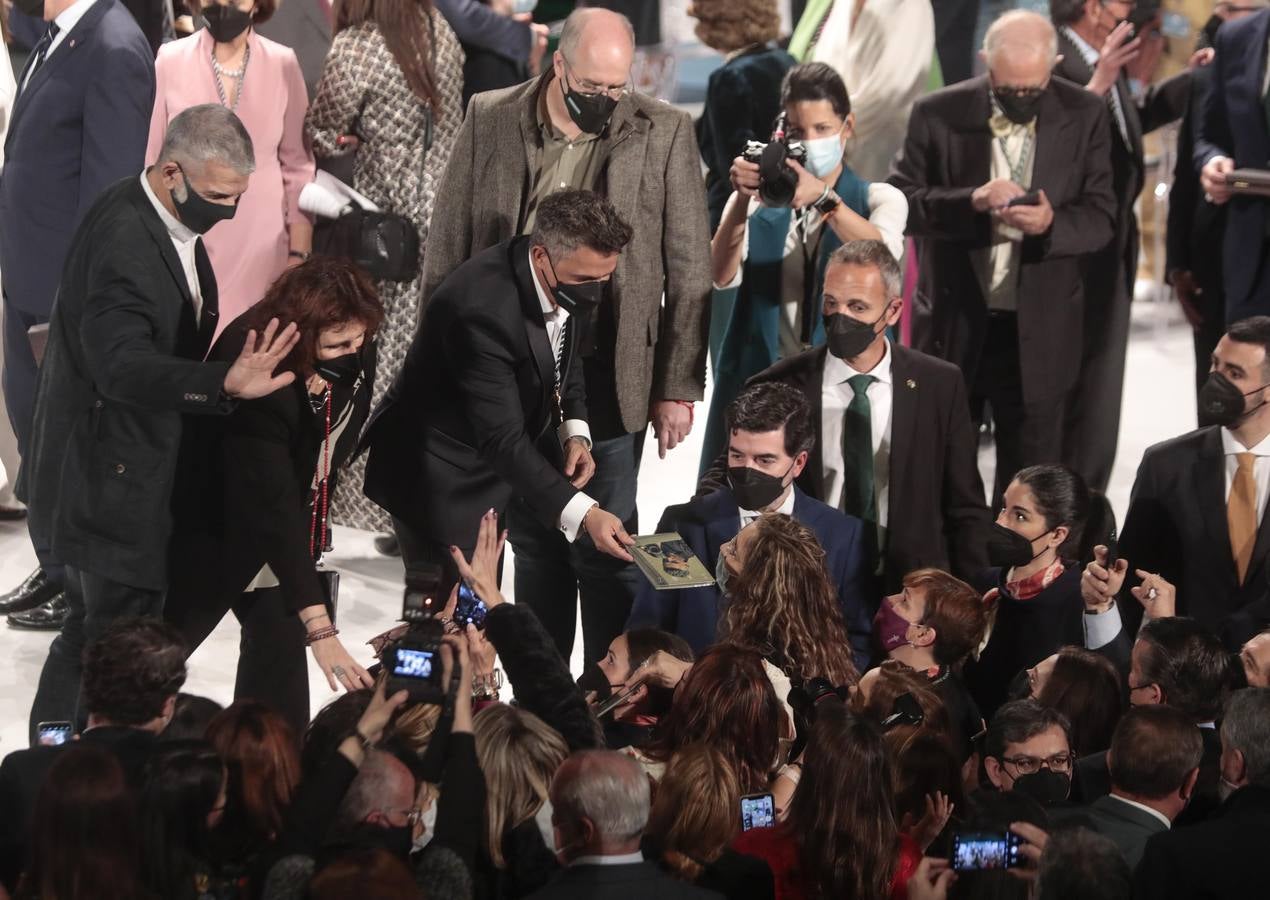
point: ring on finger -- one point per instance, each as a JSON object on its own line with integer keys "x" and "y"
{"x": 1152, "y": 594}
{"x": 338, "y": 671}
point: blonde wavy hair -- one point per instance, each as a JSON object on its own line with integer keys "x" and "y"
{"x": 695, "y": 812}
{"x": 783, "y": 605}
{"x": 727, "y": 25}
{"x": 519, "y": 754}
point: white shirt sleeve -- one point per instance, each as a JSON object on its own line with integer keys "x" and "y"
{"x": 1101, "y": 628}
{"x": 572, "y": 428}
{"x": 572, "y": 515}
{"x": 888, "y": 213}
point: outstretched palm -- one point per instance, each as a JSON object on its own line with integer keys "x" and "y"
{"x": 251, "y": 375}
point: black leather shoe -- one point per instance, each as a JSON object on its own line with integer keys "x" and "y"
{"x": 387, "y": 545}
{"x": 47, "y": 616}
{"x": 29, "y": 594}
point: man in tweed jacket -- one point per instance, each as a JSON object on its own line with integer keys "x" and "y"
{"x": 648, "y": 361}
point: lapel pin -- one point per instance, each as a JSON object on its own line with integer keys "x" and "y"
{"x": 71, "y": 44}
{"x": 911, "y": 384}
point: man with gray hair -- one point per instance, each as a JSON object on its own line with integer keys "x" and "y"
{"x": 1009, "y": 186}
{"x": 1224, "y": 855}
{"x": 599, "y": 807}
{"x": 134, "y": 318}
{"x": 581, "y": 127}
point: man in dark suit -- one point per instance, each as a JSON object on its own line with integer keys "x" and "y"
{"x": 1154, "y": 762}
{"x": 770, "y": 437}
{"x": 1194, "y": 518}
{"x": 305, "y": 27}
{"x": 135, "y": 315}
{"x": 79, "y": 123}
{"x": 1096, "y": 46}
{"x": 489, "y": 409}
{"x": 579, "y": 126}
{"x": 1224, "y": 856}
{"x": 599, "y": 807}
{"x": 1009, "y": 185}
{"x": 132, "y": 674}
{"x": 904, "y": 458}
{"x": 1234, "y": 134}
{"x": 1178, "y": 663}
{"x": 498, "y": 50}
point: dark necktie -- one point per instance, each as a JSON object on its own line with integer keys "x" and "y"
{"x": 857, "y": 452}
{"x": 42, "y": 50}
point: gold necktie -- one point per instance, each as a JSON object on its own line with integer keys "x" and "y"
{"x": 1241, "y": 514}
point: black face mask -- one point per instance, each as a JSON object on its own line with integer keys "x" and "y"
{"x": 1221, "y": 403}
{"x": 32, "y": 8}
{"x": 848, "y": 337}
{"x": 398, "y": 840}
{"x": 342, "y": 370}
{"x": 199, "y": 214}
{"x": 1019, "y": 106}
{"x": 576, "y": 299}
{"x": 590, "y": 112}
{"x": 1008, "y": 549}
{"x": 594, "y": 679}
{"x": 1208, "y": 34}
{"x": 1044, "y": 786}
{"x": 224, "y": 23}
{"x": 755, "y": 490}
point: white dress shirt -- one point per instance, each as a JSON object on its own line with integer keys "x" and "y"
{"x": 65, "y": 22}
{"x": 621, "y": 859}
{"x": 1146, "y": 809}
{"x": 1261, "y": 466}
{"x": 835, "y": 397}
{"x": 554, "y": 318}
{"x": 185, "y": 241}
{"x": 786, "y": 508}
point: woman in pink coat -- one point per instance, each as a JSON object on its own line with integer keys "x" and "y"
{"x": 227, "y": 62}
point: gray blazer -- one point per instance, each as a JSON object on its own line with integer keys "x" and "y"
{"x": 1127, "y": 826}
{"x": 653, "y": 177}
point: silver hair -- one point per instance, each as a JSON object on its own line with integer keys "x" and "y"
{"x": 1246, "y": 728}
{"x": 998, "y": 36}
{"x": 206, "y": 133}
{"x": 379, "y": 779}
{"x": 606, "y": 787}
{"x": 871, "y": 253}
{"x": 575, "y": 25}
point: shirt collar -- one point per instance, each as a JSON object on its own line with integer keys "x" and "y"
{"x": 786, "y": 508}
{"x": 837, "y": 371}
{"x": 1230, "y": 445}
{"x": 621, "y": 859}
{"x": 1146, "y": 809}
{"x": 550, "y": 311}
{"x": 179, "y": 232}
{"x": 70, "y": 16}
{"x": 1088, "y": 53}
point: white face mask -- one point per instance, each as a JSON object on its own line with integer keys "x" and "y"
{"x": 429, "y": 828}
{"x": 824, "y": 154}
{"x": 542, "y": 819}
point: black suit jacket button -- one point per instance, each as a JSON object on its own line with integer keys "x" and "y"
{"x": 120, "y": 468}
{"x": 99, "y": 404}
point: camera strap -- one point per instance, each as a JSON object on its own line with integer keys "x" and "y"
{"x": 316, "y": 546}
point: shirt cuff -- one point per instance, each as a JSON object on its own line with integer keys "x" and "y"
{"x": 734, "y": 282}
{"x": 572, "y": 428}
{"x": 573, "y": 514}
{"x": 1101, "y": 628}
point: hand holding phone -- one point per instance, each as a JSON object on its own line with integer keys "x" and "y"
{"x": 757, "y": 811}
{"x": 977, "y": 851}
{"x": 1031, "y": 198}
{"x": 54, "y": 734}
{"x": 470, "y": 609}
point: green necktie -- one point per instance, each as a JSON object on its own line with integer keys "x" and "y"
{"x": 857, "y": 452}
{"x": 807, "y": 32}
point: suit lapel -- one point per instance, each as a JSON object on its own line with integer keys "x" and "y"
{"x": 624, "y": 170}
{"x": 512, "y": 178}
{"x": 904, "y": 400}
{"x": 813, "y": 388}
{"x": 1210, "y": 477}
{"x": 210, "y": 317}
{"x": 723, "y": 521}
{"x": 1132, "y": 123}
{"x": 70, "y": 44}
{"x": 164, "y": 241}
{"x": 535, "y": 327}
{"x": 1052, "y": 162}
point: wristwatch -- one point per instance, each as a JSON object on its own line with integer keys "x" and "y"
{"x": 828, "y": 202}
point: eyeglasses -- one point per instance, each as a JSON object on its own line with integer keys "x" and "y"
{"x": 1029, "y": 765}
{"x": 1021, "y": 93}
{"x": 586, "y": 86}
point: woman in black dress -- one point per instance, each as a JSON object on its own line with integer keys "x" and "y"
{"x": 254, "y": 487}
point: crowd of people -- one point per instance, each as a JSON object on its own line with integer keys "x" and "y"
{"x": 899, "y": 682}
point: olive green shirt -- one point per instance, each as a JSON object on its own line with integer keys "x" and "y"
{"x": 560, "y": 163}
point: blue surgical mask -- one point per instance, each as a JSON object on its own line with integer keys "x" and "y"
{"x": 722, "y": 573}
{"x": 823, "y": 154}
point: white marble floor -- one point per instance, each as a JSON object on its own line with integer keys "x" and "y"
{"x": 1159, "y": 403}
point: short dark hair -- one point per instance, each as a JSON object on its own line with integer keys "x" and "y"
{"x": 1065, "y": 12}
{"x": 131, "y": 670}
{"x": 771, "y": 406}
{"x": 1064, "y": 498}
{"x": 570, "y": 219}
{"x": 816, "y": 81}
{"x": 190, "y": 719}
{"x": 1253, "y": 330}
{"x": 1082, "y": 863}
{"x": 1021, "y": 721}
{"x": 1189, "y": 664}
{"x": 1153, "y": 749}
{"x": 641, "y": 644}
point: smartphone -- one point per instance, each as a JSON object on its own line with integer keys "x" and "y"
{"x": 616, "y": 700}
{"x": 54, "y": 734}
{"x": 1113, "y": 551}
{"x": 1031, "y": 198}
{"x": 470, "y": 609}
{"x": 977, "y": 851}
{"x": 757, "y": 811}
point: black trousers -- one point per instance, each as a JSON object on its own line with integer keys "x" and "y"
{"x": 272, "y": 657}
{"x": 1027, "y": 432}
{"x": 94, "y": 604}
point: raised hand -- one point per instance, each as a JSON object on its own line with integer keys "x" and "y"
{"x": 251, "y": 375}
{"x": 607, "y": 533}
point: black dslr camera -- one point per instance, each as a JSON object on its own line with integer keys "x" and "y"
{"x": 776, "y": 181}
{"x": 413, "y": 663}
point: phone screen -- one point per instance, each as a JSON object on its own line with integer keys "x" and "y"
{"x": 757, "y": 811}
{"x": 54, "y": 734}
{"x": 413, "y": 663}
{"x": 469, "y": 608}
{"x": 985, "y": 850}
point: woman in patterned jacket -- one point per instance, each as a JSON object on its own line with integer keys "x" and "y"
{"x": 391, "y": 91}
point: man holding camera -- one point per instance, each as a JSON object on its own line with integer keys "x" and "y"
{"x": 489, "y": 410}
{"x": 1009, "y": 185}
